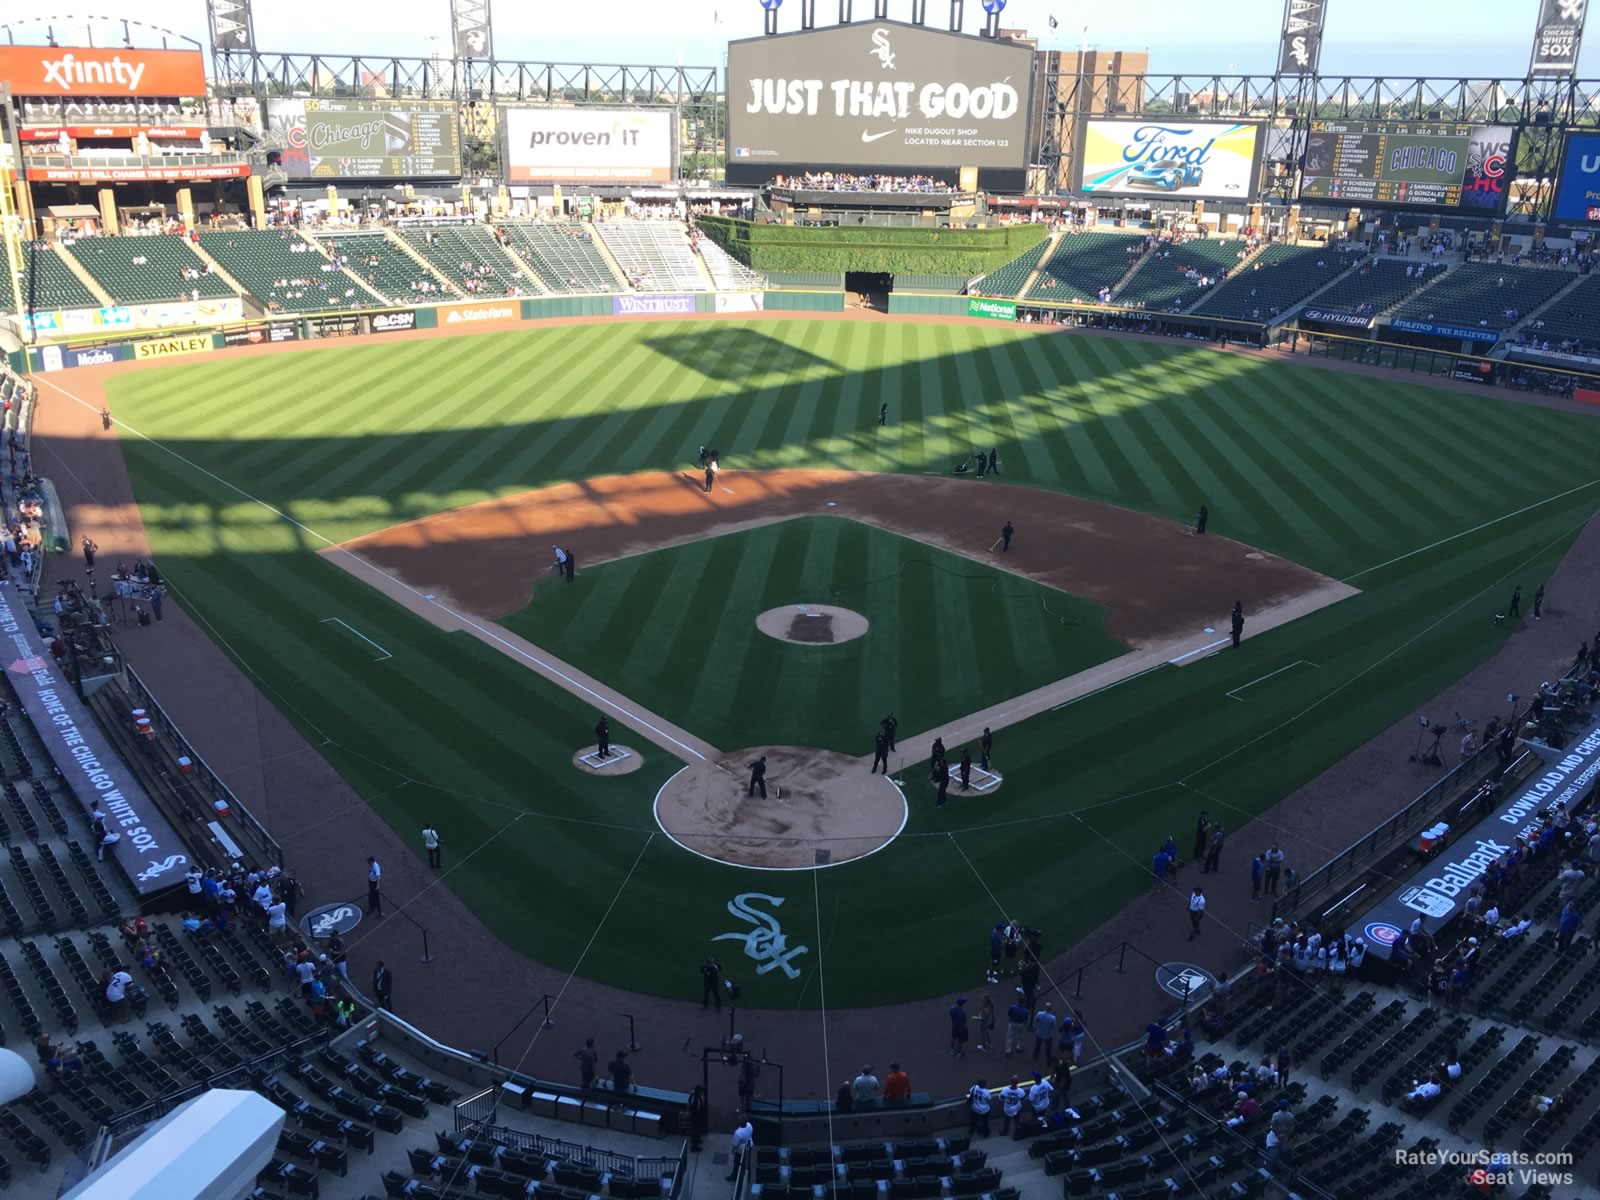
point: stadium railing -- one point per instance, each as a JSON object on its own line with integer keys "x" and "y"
{"x": 474, "y": 1117}
{"x": 266, "y": 845}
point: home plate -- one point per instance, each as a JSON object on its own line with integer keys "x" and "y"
{"x": 983, "y": 780}
{"x": 617, "y": 755}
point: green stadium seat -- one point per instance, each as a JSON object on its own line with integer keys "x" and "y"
{"x": 1009, "y": 279}
{"x": 1377, "y": 284}
{"x": 283, "y": 271}
{"x": 1168, "y": 280}
{"x": 564, "y": 258}
{"x": 472, "y": 258}
{"x": 384, "y": 266}
{"x": 1083, "y": 263}
{"x": 149, "y": 268}
{"x": 48, "y": 283}
{"x": 1275, "y": 280}
{"x": 1572, "y": 323}
{"x": 1485, "y": 295}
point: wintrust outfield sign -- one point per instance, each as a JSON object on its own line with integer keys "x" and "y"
{"x": 50, "y": 71}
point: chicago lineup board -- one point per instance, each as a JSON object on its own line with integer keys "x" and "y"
{"x": 1387, "y": 162}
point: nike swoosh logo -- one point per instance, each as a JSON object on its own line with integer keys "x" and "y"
{"x": 872, "y": 137}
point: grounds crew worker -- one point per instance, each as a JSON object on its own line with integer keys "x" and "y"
{"x": 1238, "y": 622}
{"x": 889, "y": 726}
{"x": 602, "y": 737}
{"x": 1005, "y": 536}
{"x": 880, "y": 752}
{"x": 758, "y": 777}
{"x": 710, "y": 984}
{"x": 985, "y": 744}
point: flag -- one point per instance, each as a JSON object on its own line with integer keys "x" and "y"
{"x": 1054, "y": 22}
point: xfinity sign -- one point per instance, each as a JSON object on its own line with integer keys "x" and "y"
{"x": 880, "y": 95}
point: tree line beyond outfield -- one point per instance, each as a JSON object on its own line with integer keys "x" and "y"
{"x": 964, "y": 252}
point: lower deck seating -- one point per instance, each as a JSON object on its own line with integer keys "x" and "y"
{"x": 150, "y": 267}
{"x": 1082, "y": 264}
{"x": 1275, "y": 280}
{"x": 283, "y": 271}
{"x": 1486, "y": 296}
{"x": 1174, "y": 277}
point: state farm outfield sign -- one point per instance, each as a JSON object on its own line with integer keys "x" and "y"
{"x": 877, "y": 94}
{"x": 590, "y": 145}
{"x": 480, "y": 315}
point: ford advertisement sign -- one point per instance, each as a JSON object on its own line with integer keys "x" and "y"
{"x": 1578, "y": 191}
{"x": 1199, "y": 160}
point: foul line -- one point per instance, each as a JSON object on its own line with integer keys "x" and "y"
{"x": 1465, "y": 532}
{"x": 1234, "y": 695}
{"x": 571, "y": 684}
{"x": 1108, "y": 686}
{"x": 359, "y": 634}
{"x": 1209, "y": 646}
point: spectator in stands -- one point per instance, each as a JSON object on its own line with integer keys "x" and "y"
{"x": 744, "y": 1140}
{"x": 56, "y": 1060}
{"x": 978, "y": 1105}
{"x": 1423, "y": 1094}
{"x": 1011, "y": 1098}
{"x": 1567, "y": 926}
{"x": 1155, "y": 1040}
{"x": 1451, "y": 1067}
{"x": 1073, "y": 1034}
{"x": 1246, "y": 1108}
{"x": 1571, "y": 880}
{"x": 1039, "y": 1098}
{"x": 986, "y": 1023}
{"x": 621, "y": 1072}
{"x": 116, "y": 991}
{"x": 896, "y": 1085}
{"x": 866, "y": 1088}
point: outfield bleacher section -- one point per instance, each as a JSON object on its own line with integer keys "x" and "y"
{"x": 149, "y": 268}
{"x": 1485, "y": 295}
{"x": 1010, "y": 279}
{"x": 472, "y": 258}
{"x": 385, "y": 267}
{"x": 48, "y": 283}
{"x": 727, "y": 272}
{"x": 1083, "y": 263}
{"x": 1571, "y": 324}
{"x": 1168, "y": 281}
{"x": 283, "y": 271}
{"x": 564, "y": 258}
{"x": 1376, "y": 285}
{"x": 654, "y": 255}
{"x": 1276, "y": 280}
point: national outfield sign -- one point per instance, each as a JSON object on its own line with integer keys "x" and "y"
{"x": 994, "y": 310}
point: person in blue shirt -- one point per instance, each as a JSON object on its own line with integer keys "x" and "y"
{"x": 1016, "y": 1025}
{"x": 995, "y": 951}
{"x": 1258, "y": 870}
{"x": 1567, "y": 927}
{"x": 1159, "y": 865}
{"x": 958, "y": 1028}
{"x": 1155, "y": 1039}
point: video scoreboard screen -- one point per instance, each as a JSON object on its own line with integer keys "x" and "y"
{"x": 352, "y": 139}
{"x": 1421, "y": 164}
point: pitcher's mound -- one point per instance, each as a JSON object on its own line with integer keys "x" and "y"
{"x": 821, "y": 809}
{"x": 812, "y": 624}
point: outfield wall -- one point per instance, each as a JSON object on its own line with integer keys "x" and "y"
{"x": 463, "y": 317}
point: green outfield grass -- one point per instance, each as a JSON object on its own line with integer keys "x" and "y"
{"x": 948, "y": 636}
{"x": 1343, "y": 473}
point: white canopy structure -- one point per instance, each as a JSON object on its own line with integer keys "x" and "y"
{"x": 208, "y": 1149}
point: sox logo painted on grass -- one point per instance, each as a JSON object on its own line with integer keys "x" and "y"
{"x": 766, "y": 942}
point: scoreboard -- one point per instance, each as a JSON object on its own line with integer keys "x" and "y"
{"x": 358, "y": 138}
{"x": 1414, "y": 164}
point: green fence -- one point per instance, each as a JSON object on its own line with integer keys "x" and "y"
{"x": 566, "y": 306}
{"x": 918, "y": 304}
{"x": 937, "y": 284}
{"x": 815, "y": 281}
{"x": 805, "y": 301}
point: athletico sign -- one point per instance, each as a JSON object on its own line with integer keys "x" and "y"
{"x": 877, "y": 94}
{"x": 1433, "y": 889}
{"x": 994, "y": 310}
{"x": 48, "y": 71}
{"x": 590, "y": 145}
{"x": 1464, "y": 332}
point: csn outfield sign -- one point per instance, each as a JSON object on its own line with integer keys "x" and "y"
{"x": 877, "y": 95}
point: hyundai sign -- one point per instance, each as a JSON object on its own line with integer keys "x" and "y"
{"x": 876, "y": 94}
{"x": 589, "y": 145}
{"x": 1198, "y": 160}
{"x": 1578, "y": 191}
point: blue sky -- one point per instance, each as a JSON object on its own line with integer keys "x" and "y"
{"x": 1474, "y": 38}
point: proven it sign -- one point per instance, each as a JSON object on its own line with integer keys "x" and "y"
{"x": 589, "y": 145}
{"x": 50, "y": 71}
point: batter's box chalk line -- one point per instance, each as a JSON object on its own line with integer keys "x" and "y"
{"x": 383, "y": 655}
{"x": 983, "y": 780}
{"x": 593, "y": 759}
